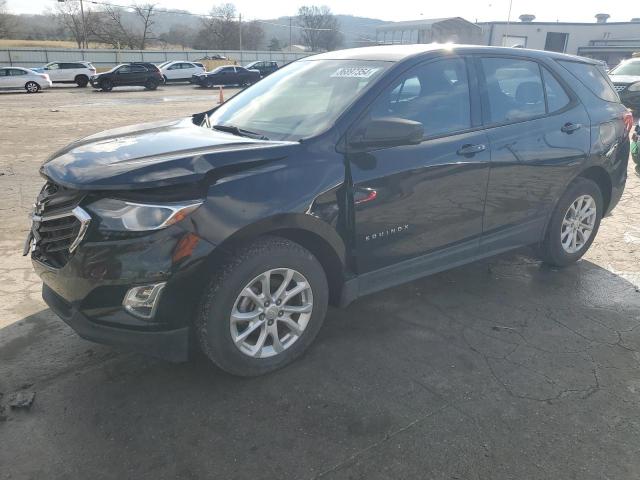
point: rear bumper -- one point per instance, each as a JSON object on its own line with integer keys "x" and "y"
{"x": 172, "y": 345}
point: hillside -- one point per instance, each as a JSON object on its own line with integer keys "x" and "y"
{"x": 357, "y": 31}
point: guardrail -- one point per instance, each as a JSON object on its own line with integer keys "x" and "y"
{"x": 34, "y": 57}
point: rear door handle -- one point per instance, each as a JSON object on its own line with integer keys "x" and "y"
{"x": 570, "y": 127}
{"x": 469, "y": 150}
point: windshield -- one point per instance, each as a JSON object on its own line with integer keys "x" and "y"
{"x": 300, "y": 100}
{"x": 628, "y": 68}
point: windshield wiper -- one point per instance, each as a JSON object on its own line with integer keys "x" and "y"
{"x": 240, "y": 131}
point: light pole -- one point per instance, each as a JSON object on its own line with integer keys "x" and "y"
{"x": 84, "y": 28}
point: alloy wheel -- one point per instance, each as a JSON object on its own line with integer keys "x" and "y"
{"x": 271, "y": 312}
{"x": 32, "y": 87}
{"x": 578, "y": 224}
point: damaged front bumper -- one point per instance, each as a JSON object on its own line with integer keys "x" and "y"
{"x": 92, "y": 292}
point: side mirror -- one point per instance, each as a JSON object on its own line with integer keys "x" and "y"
{"x": 388, "y": 132}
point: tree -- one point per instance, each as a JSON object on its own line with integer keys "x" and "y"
{"x": 220, "y": 30}
{"x": 252, "y": 35}
{"x": 274, "y": 45}
{"x": 69, "y": 17}
{"x": 118, "y": 30}
{"x": 320, "y": 28}
{"x": 145, "y": 14}
{"x": 111, "y": 29}
{"x": 5, "y": 20}
{"x": 178, "y": 34}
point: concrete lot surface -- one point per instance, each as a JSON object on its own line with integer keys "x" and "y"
{"x": 503, "y": 369}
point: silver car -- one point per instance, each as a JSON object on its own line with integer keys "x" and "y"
{"x": 18, "y": 78}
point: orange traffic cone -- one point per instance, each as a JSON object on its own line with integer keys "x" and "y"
{"x": 221, "y": 97}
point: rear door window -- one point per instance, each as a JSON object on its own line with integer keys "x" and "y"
{"x": 557, "y": 97}
{"x": 514, "y": 89}
{"x": 594, "y": 78}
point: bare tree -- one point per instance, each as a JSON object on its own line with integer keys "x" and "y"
{"x": 178, "y": 34}
{"x": 5, "y": 19}
{"x": 145, "y": 13}
{"x": 220, "y": 29}
{"x": 320, "y": 28}
{"x": 112, "y": 29}
{"x": 69, "y": 17}
{"x": 252, "y": 35}
{"x": 129, "y": 31}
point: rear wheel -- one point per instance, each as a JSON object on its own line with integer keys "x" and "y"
{"x": 151, "y": 85}
{"x": 82, "y": 81}
{"x": 208, "y": 84}
{"x": 32, "y": 87}
{"x": 574, "y": 223}
{"x": 263, "y": 308}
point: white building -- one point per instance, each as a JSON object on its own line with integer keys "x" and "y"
{"x": 439, "y": 30}
{"x": 602, "y": 40}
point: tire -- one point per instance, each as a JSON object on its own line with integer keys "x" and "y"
{"x": 215, "y": 329}
{"x": 106, "y": 85}
{"x": 581, "y": 193}
{"x": 82, "y": 81}
{"x": 32, "y": 87}
{"x": 166, "y": 80}
{"x": 151, "y": 85}
{"x": 208, "y": 84}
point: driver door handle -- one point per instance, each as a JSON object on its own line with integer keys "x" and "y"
{"x": 570, "y": 127}
{"x": 470, "y": 150}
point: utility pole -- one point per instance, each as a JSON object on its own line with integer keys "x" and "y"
{"x": 290, "y": 36}
{"x": 240, "y": 35}
{"x": 84, "y": 28}
{"x": 506, "y": 32}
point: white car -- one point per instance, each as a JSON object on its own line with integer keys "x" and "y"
{"x": 17, "y": 78}
{"x": 180, "y": 71}
{"x": 69, "y": 72}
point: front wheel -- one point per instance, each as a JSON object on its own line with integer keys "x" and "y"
{"x": 263, "y": 308}
{"x": 32, "y": 87}
{"x": 574, "y": 223}
{"x": 106, "y": 86}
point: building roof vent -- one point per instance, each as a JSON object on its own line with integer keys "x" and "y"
{"x": 602, "y": 17}
{"x": 527, "y": 18}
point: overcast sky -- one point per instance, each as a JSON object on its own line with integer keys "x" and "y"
{"x": 395, "y": 10}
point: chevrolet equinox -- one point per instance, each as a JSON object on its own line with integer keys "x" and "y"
{"x": 336, "y": 176}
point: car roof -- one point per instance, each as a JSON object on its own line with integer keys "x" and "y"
{"x": 396, "y": 53}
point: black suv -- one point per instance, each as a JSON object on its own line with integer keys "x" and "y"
{"x": 337, "y": 176}
{"x": 265, "y": 67}
{"x": 140, "y": 74}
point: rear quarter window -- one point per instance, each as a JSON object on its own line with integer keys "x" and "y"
{"x": 594, "y": 78}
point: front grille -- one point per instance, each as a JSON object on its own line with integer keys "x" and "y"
{"x": 58, "y": 225}
{"x": 619, "y": 88}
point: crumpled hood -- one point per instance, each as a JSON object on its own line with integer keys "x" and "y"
{"x": 624, "y": 78}
{"x": 154, "y": 155}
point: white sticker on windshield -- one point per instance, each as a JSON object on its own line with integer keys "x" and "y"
{"x": 354, "y": 72}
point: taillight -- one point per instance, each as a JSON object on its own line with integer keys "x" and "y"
{"x": 628, "y": 120}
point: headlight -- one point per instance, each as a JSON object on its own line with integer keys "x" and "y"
{"x": 635, "y": 87}
{"x": 120, "y": 215}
